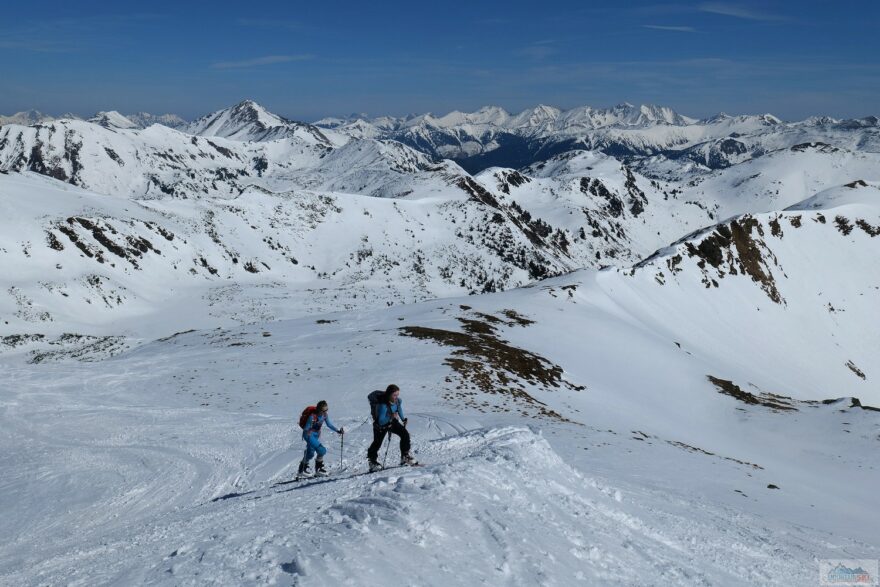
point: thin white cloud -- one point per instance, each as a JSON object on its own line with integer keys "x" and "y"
{"x": 258, "y": 61}
{"x": 662, "y": 27}
{"x": 738, "y": 11}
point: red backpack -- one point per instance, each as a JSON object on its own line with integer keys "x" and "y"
{"x": 304, "y": 418}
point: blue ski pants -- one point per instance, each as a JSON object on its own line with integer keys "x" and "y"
{"x": 313, "y": 445}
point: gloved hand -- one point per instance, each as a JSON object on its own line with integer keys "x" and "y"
{"x": 342, "y": 430}
{"x": 405, "y": 420}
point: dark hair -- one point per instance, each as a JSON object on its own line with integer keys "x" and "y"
{"x": 321, "y": 405}
{"x": 389, "y": 391}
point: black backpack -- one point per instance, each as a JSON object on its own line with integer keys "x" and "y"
{"x": 376, "y": 397}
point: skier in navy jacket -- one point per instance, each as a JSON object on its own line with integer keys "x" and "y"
{"x": 390, "y": 418}
{"x": 312, "y": 435}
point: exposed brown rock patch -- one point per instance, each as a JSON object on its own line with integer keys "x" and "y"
{"x": 486, "y": 364}
{"x": 769, "y": 400}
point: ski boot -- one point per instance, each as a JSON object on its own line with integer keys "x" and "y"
{"x": 407, "y": 460}
{"x": 375, "y": 466}
{"x": 320, "y": 471}
{"x": 303, "y": 470}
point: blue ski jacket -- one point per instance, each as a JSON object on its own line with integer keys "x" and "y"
{"x": 314, "y": 423}
{"x": 384, "y": 414}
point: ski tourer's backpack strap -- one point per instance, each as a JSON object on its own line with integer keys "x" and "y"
{"x": 306, "y": 414}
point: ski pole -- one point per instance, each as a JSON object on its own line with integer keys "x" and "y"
{"x": 387, "y": 446}
{"x": 341, "y": 449}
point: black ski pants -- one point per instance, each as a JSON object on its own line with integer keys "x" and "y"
{"x": 379, "y": 435}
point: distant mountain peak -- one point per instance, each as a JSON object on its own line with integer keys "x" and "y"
{"x": 250, "y": 121}
{"x": 112, "y": 119}
{"x": 719, "y": 117}
{"x": 145, "y": 119}
{"x": 544, "y": 108}
{"x": 25, "y": 118}
{"x": 250, "y": 110}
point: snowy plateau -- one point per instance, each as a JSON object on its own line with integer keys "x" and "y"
{"x": 634, "y": 347}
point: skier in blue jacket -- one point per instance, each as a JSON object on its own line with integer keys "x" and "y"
{"x": 312, "y": 435}
{"x": 390, "y": 418}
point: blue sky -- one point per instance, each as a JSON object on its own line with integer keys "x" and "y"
{"x": 306, "y": 60}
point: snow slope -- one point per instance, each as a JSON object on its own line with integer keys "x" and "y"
{"x": 170, "y": 463}
{"x": 101, "y": 265}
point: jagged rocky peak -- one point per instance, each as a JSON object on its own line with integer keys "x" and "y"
{"x": 250, "y": 121}
{"x": 624, "y": 110}
{"x": 251, "y": 111}
{"x": 245, "y": 113}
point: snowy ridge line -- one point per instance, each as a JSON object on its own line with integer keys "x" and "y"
{"x": 839, "y": 197}
{"x": 349, "y": 470}
{"x": 501, "y": 505}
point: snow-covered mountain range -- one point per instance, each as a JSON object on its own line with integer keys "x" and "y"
{"x": 642, "y": 332}
{"x": 111, "y": 118}
{"x": 493, "y": 137}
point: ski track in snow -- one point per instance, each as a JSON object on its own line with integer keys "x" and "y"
{"x": 195, "y": 497}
